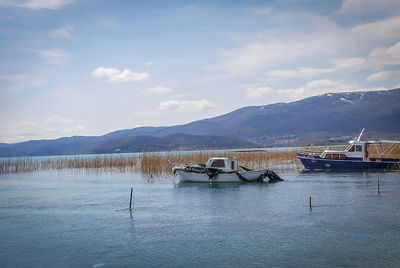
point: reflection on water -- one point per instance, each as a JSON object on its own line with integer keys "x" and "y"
{"x": 67, "y": 219}
{"x": 348, "y": 171}
{"x": 221, "y": 185}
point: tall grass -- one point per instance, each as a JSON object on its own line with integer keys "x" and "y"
{"x": 160, "y": 163}
{"x": 150, "y": 163}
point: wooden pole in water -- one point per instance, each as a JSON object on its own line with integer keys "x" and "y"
{"x": 310, "y": 202}
{"x": 130, "y": 202}
{"x": 378, "y": 187}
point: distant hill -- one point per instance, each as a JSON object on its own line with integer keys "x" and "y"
{"x": 3, "y": 145}
{"x": 69, "y": 145}
{"x": 139, "y": 131}
{"x": 328, "y": 118}
{"x": 170, "y": 142}
{"x": 126, "y": 144}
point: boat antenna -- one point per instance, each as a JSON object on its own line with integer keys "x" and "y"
{"x": 361, "y": 136}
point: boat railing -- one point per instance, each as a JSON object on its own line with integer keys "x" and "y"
{"x": 311, "y": 152}
{"x": 379, "y": 150}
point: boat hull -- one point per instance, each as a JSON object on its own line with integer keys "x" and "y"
{"x": 221, "y": 177}
{"x": 316, "y": 162}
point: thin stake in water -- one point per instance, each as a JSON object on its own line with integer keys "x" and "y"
{"x": 378, "y": 187}
{"x": 130, "y": 202}
{"x": 310, "y": 203}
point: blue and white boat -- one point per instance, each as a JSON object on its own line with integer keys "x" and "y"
{"x": 356, "y": 156}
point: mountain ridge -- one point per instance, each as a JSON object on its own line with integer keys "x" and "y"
{"x": 331, "y": 117}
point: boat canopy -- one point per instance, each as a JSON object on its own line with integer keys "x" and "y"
{"x": 226, "y": 164}
{"x": 361, "y": 140}
{"x": 375, "y": 142}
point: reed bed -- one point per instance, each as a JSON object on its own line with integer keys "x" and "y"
{"x": 150, "y": 163}
{"x": 155, "y": 164}
{"x": 160, "y": 163}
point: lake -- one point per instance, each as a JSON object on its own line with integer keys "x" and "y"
{"x": 74, "y": 219}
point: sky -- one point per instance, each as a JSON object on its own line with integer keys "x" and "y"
{"x": 89, "y": 67}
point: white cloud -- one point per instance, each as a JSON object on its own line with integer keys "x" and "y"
{"x": 384, "y": 75}
{"x": 316, "y": 87}
{"x": 18, "y": 82}
{"x": 159, "y": 90}
{"x": 54, "y": 55}
{"x": 37, "y": 4}
{"x": 327, "y": 41}
{"x": 312, "y": 88}
{"x": 55, "y": 118}
{"x": 377, "y": 58}
{"x": 367, "y": 6}
{"x": 255, "y": 56}
{"x": 128, "y": 76}
{"x": 64, "y": 32}
{"x": 149, "y": 63}
{"x": 116, "y": 76}
{"x": 301, "y": 73}
{"x": 185, "y": 95}
{"x": 105, "y": 72}
{"x": 257, "y": 92}
{"x": 352, "y": 63}
{"x": 382, "y": 56}
{"x": 387, "y": 29}
{"x": 189, "y": 105}
{"x": 48, "y": 127}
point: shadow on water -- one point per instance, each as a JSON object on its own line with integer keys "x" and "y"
{"x": 218, "y": 185}
{"x": 343, "y": 171}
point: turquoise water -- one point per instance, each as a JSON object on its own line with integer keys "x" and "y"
{"x": 70, "y": 219}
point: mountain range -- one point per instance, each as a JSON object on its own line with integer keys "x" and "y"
{"x": 328, "y": 118}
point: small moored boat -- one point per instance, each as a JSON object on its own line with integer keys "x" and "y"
{"x": 223, "y": 169}
{"x": 356, "y": 156}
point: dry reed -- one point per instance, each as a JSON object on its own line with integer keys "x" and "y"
{"x": 160, "y": 163}
{"x": 150, "y": 163}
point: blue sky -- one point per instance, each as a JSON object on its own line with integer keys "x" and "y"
{"x": 80, "y": 67}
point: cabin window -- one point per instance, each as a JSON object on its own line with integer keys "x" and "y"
{"x": 351, "y": 149}
{"x": 233, "y": 165}
{"x": 328, "y": 156}
{"x": 342, "y": 156}
{"x": 335, "y": 156}
{"x": 358, "y": 148}
{"x": 219, "y": 163}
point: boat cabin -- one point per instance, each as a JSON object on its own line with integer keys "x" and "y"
{"x": 226, "y": 164}
{"x": 356, "y": 149}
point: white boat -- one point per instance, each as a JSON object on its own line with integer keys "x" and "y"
{"x": 222, "y": 169}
